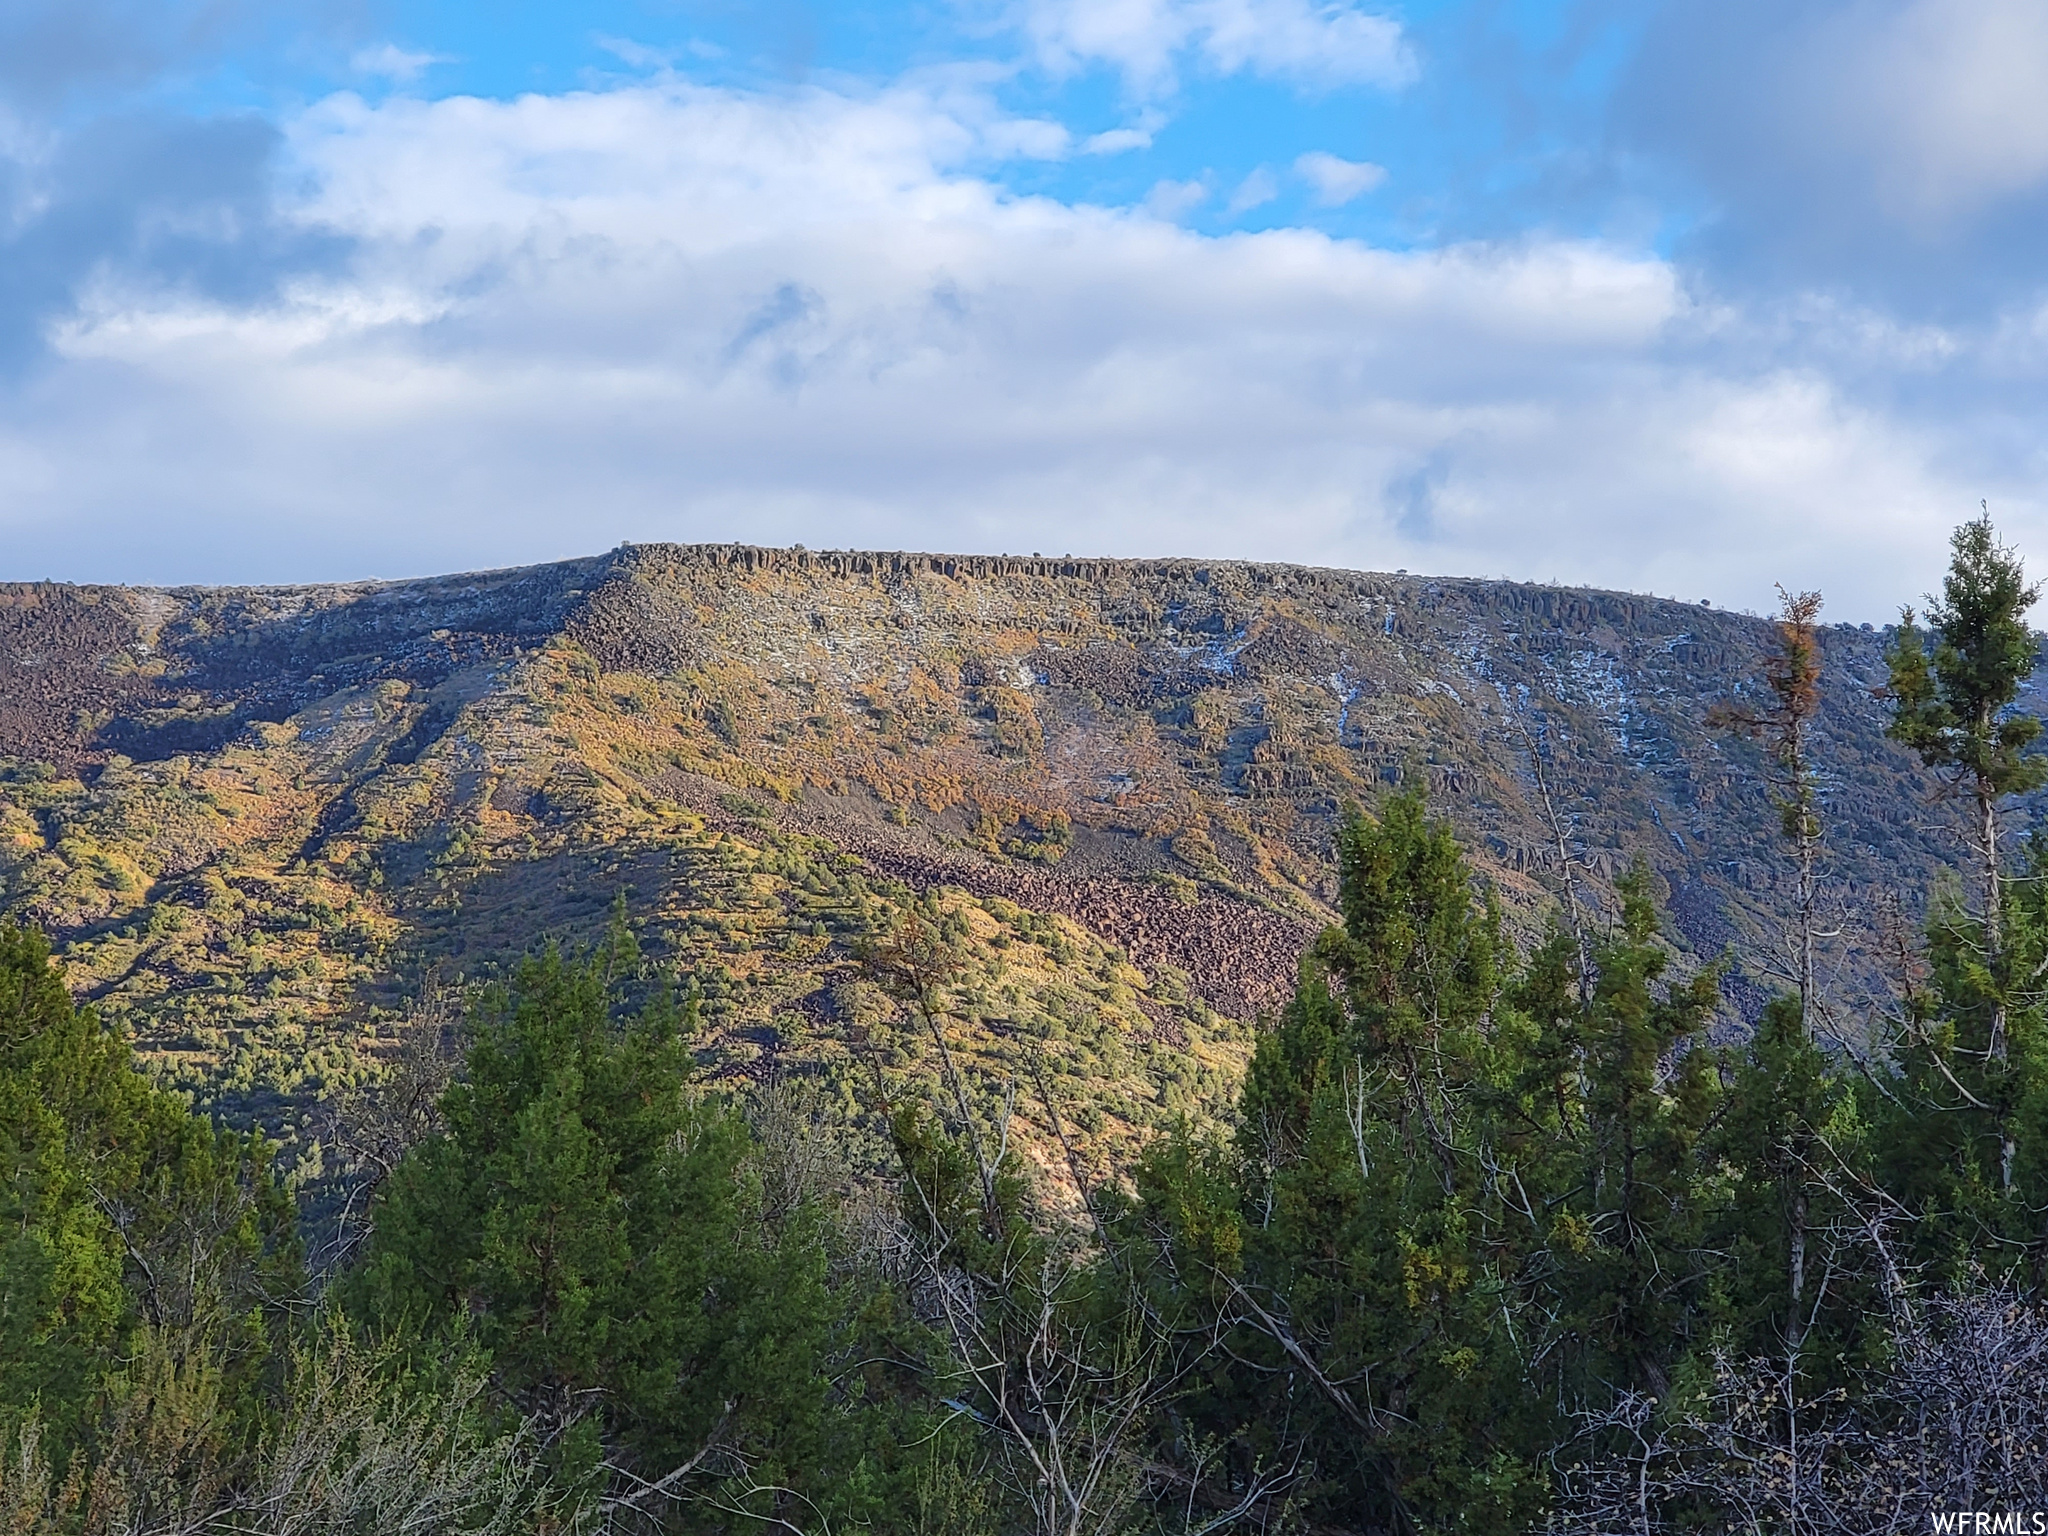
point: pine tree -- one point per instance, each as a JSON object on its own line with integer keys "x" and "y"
{"x": 1963, "y": 1127}
{"x": 1793, "y": 1288}
{"x": 1966, "y": 1083}
{"x": 1395, "y": 1141}
{"x": 1792, "y": 672}
{"x": 1955, "y": 708}
{"x": 1635, "y": 1278}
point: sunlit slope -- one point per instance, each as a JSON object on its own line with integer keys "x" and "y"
{"x": 257, "y": 818}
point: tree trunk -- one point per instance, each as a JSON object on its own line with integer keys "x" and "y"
{"x": 1987, "y": 837}
{"x": 1807, "y": 997}
{"x": 1795, "y": 1324}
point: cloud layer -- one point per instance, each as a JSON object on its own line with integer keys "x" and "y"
{"x": 1322, "y": 45}
{"x": 669, "y": 311}
{"x": 393, "y": 334}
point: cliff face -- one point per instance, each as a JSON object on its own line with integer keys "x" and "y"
{"x": 254, "y": 817}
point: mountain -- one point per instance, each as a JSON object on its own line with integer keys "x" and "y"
{"x": 258, "y": 821}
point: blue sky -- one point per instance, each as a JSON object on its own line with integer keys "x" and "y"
{"x": 1483, "y": 125}
{"x": 1659, "y": 294}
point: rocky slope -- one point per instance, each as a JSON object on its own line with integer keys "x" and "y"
{"x": 257, "y": 818}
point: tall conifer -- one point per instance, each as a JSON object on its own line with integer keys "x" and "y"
{"x": 1955, "y": 707}
{"x": 1793, "y": 673}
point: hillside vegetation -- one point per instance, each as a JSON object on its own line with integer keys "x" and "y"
{"x": 257, "y": 822}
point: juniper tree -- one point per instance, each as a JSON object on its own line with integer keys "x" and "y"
{"x": 590, "y": 1222}
{"x": 129, "y": 1226}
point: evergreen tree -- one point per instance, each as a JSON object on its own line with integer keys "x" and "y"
{"x": 1963, "y": 1116}
{"x": 1792, "y": 672}
{"x": 66, "y": 1097}
{"x": 1955, "y": 708}
{"x": 1791, "y": 1144}
{"x": 1650, "y": 1093}
{"x": 131, "y": 1230}
{"x": 588, "y": 1220}
{"x": 1388, "y": 1214}
{"x": 1969, "y": 1065}
{"x": 1469, "y": 1199}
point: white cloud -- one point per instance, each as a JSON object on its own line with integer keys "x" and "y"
{"x": 1255, "y": 191}
{"x": 671, "y": 312}
{"x": 637, "y": 54}
{"x": 1174, "y": 200}
{"x": 1317, "y": 45}
{"x": 1336, "y": 181}
{"x": 388, "y": 61}
{"x": 1117, "y": 141}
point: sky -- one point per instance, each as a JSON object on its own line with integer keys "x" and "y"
{"x": 1691, "y": 297}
